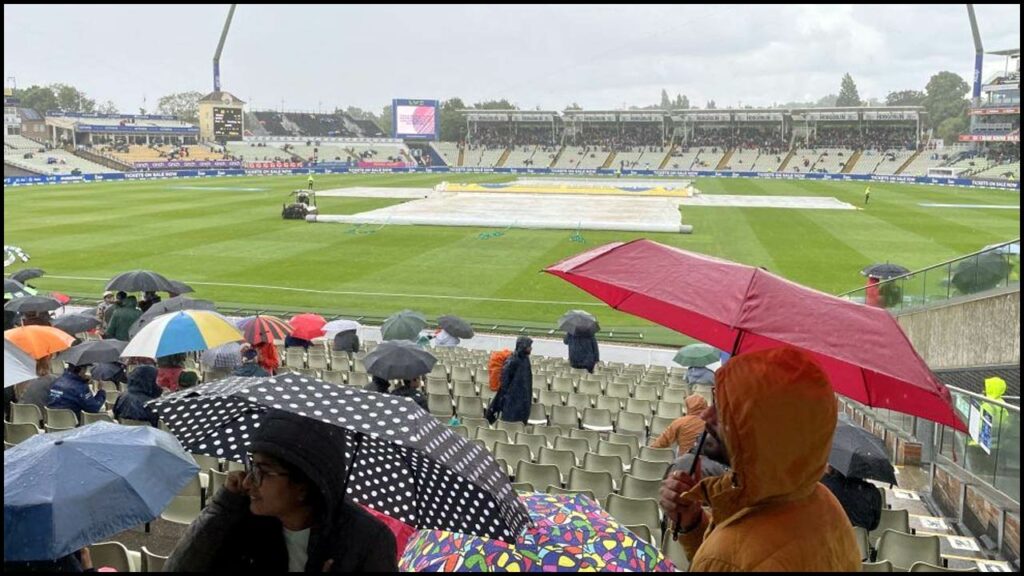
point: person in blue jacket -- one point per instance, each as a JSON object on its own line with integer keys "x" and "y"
{"x": 71, "y": 391}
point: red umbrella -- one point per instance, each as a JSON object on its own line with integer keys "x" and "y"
{"x": 742, "y": 308}
{"x": 264, "y": 329}
{"x": 307, "y": 326}
{"x": 60, "y": 297}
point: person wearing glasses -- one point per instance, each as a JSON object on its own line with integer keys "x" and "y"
{"x": 286, "y": 512}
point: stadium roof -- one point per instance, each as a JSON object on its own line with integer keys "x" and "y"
{"x": 222, "y": 96}
{"x": 1010, "y": 52}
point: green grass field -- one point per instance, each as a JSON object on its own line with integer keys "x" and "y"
{"x": 234, "y": 248}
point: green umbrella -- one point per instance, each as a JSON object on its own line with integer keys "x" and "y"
{"x": 404, "y": 325}
{"x": 982, "y": 272}
{"x": 696, "y": 355}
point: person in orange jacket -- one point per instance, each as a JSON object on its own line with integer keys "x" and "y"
{"x": 775, "y": 411}
{"x": 684, "y": 430}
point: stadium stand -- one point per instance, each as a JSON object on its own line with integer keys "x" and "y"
{"x": 449, "y": 151}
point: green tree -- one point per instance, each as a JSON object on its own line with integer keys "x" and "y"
{"x": 574, "y": 106}
{"x": 107, "y": 107}
{"x": 666, "y": 103}
{"x": 71, "y": 98}
{"x": 848, "y": 95}
{"x": 502, "y": 104}
{"x": 453, "y": 121}
{"x": 386, "y": 122}
{"x": 681, "y": 102}
{"x": 905, "y": 98}
{"x": 183, "y": 105}
{"x": 945, "y": 98}
{"x": 711, "y": 105}
{"x": 38, "y": 98}
{"x": 827, "y": 101}
{"x": 951, "y": 128}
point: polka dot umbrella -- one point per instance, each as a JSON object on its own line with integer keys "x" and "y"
{"x": 404, "y": 463}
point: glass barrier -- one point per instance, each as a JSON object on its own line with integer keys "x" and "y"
{"x": 992, "y": 450}
{"x": 995, "y": 267}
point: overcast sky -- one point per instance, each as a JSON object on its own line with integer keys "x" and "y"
{"x": 603, "y": 57}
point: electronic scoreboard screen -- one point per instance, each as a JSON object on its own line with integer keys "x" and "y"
{"x": 227, "y": 123}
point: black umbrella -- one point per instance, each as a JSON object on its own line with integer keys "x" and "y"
{"x": 15, "y": 289}
{"x": 884, "y": 271}
{"x": 140, "y": 281}
{"x": 180, "y": 287}
{"x": 981, "y": 272}
{"x": 176, "y": 304}
{"x": 856, "y": 453}
{"x": 404, "y": 325}
{"x": 455, "y": 326}
{"x": 399, "y": 359}
{"x": 108, "y": 372}
{"x": 578, "y": 322}
{"x": 94, "y": 352}
{"x": 29, "y": 304}
{"x": 76, "y": 323}
{"x": 404, "y": 463}
{"x": 27, "y": 274}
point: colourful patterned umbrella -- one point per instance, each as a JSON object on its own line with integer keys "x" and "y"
{"x": 184, "y": 331}
{"x": 258, "y": 329}
{"x": 569, "y": 534}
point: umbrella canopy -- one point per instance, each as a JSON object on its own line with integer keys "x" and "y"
{"x": 399, "y": 359}
{"x": 185, "y": 331}
{"x": 140, "y": 281}
{"x": 176, "y": 304}
{"x": 578, "y": 322}
{"x": 981, "y": 272}
{"x": 404, "y": 325}
{"x": 696, "y": 355}
{"x": 1008, "y": 249}
{"x": 15, "y": 289}
{"x": 258, "y": 329}
{"x": 108, "y": 371}
{"x": 455, "y": 326}
{"x": 341, "y": 325}
{"x": 307, "y": 326}
{"x": 567, "y": 534}
{"x": 94, "y": 352}
{"x": 29, "y": 304}
{"x": 76, "y": 323}
{"x": 39, "y": 341}
{"x": 66, "y": 490}
{"x": 389, "y": 437}
{"x": 857, "y": 453}
{"x": 27, "y": 274}
{"x": 741, "y": 308}
{"x": 224, "y": 356}
{"x": 12, "y": 254}
{"x": 18, "y": 366}
{"x": 884, "y": 271}
{"x": 179, "y": 287}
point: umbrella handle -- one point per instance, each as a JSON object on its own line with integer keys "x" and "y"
{"x": 693, "y": 468}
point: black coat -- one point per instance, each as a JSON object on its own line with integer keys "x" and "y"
{"x": 514, "y": 397}
{"x": 413, "y": 393}
{"x": 347, "y": 341}
{"x": 583, "y": 352}
{"x": 860, "y": 499}
{"x": 142, "y": 388}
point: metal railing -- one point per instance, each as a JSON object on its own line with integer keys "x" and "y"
{"x": 995, "y": 266}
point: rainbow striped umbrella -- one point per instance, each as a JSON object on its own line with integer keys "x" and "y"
{"x": 259, "y": 328}
{"x": 184, "y": 331}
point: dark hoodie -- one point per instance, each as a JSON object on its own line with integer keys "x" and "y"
{"x": 516, "y": 393}
{"x": 122, "y": 319}
{"x": 227, "y": 537}
{"x": 377, "y": 384}
{"x": 583, "y": 351}
{"x": 142, "y": 388}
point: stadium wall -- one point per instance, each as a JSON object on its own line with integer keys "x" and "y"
{"x": 164, "y": 174}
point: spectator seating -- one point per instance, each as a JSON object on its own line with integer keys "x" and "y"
{"x": 832, "y": 160}
{"x": 886, "y": 162}
{"x": 803, "y": 160}
{"x": 449, "y": 151}
{"x": 903, "y": 550}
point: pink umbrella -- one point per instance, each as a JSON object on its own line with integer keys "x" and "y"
{"x": 742, "y": 308}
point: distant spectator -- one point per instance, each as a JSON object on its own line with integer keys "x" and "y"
{"x": 250, "y": 366}
{"x": 122, "y": 319}
{"x": 71, "y": 391}
{"x": 37, "y": 390}
{"x": 142, "y": 388}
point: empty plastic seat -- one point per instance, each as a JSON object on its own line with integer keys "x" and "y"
{"x": 538, "y": 474}
{"x": 152, "y": 562}
{"x": 185, "y": 507}
{"x": 578, "y": 446}
{"x": 659, "y": 424}
{"x": 550, "y": 433}
{"x": 903, "y": 550}
{"x": 111, "y": 555}
{"x": 511, "y": 427}
{"x": 15, "y": 433}
{"x": 646, "y": 392}
{"x": 90, "y": 417}
{"x": 580, "y": 402}
{"x": 645, "y": 407}
{"x": 898, "y": 520}
{"x": 469, "y": 406}
{"x": 592, "y": 437}
{"x": 463, "y": 388}
{"x": 669, "y": 409}
{"x": 533, "y": 441}
{"x": 439, "y": 404}
{"x": 597, "y": 419}
{"x": 928, "y": 567}
{"x": 658, "y": 454}
{"x": 610, "y": 464}
{"x": 562, "y": 384}
{"x": 512, "y": 454}
{"x": 565, "y": 417}
{"x": 642, "y": 532}
{"x": 623, "y": 451}
{"x": 591, "y": 387}
{"x": 491, "y": 437}
{"x": 564, "y": 460}
{"x": 861, "y": 534}
{"x": 883, "y": 566}
{"x": 567, "y": 492}
{"x": 598, "y": 482}
{"x": 358, "y": 379}
{"x": 632, "y": 421}
{"x": 635, "y": 487}
{"x": 26, "y": 413}
{"x": 648, "y": 470}
{"x": 550, "y": 398}
{"x": 613, "y": 405}
{"x": 537, "y": 415}
{"x": 60, "y": 418}
{"x": 631, "y": 511}
{"x": 617, "y": 390}
{"x": 295, "y": 357}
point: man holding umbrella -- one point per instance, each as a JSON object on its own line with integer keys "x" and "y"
{"x": 580, "y": 329}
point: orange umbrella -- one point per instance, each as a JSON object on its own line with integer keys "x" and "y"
{"x": 39, "y": 341}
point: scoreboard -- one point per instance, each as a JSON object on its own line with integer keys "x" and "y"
{"x": 227, "y": 123}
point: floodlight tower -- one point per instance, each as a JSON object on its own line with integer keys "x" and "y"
{"x": 979, "y": 56}
{"x": 220, "y": 48}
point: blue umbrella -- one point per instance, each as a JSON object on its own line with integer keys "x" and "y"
{"x": 66, "y": 490}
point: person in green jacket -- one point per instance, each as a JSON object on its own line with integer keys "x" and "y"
{"x": 310, "y": 180}
{"x": 122, "y": 319}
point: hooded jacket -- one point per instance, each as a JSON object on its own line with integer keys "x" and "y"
{"x": 685, "y": 430}
{"x": 777, "y": 413}
{"x": 142, "y": 388}
{"x": 71, "y": 392}
{"x": 250, "y": 370}
{"x": 347, "y": 341}
{"x": 228, "y": 538}
{"x": 514, "y": 397}
{"x": 583, "y": 352}
{"x": 122, "y": 319}
{"x": 414, "y": 393}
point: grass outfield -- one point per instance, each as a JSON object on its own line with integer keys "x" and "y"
{"x": 226, "y": 237}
